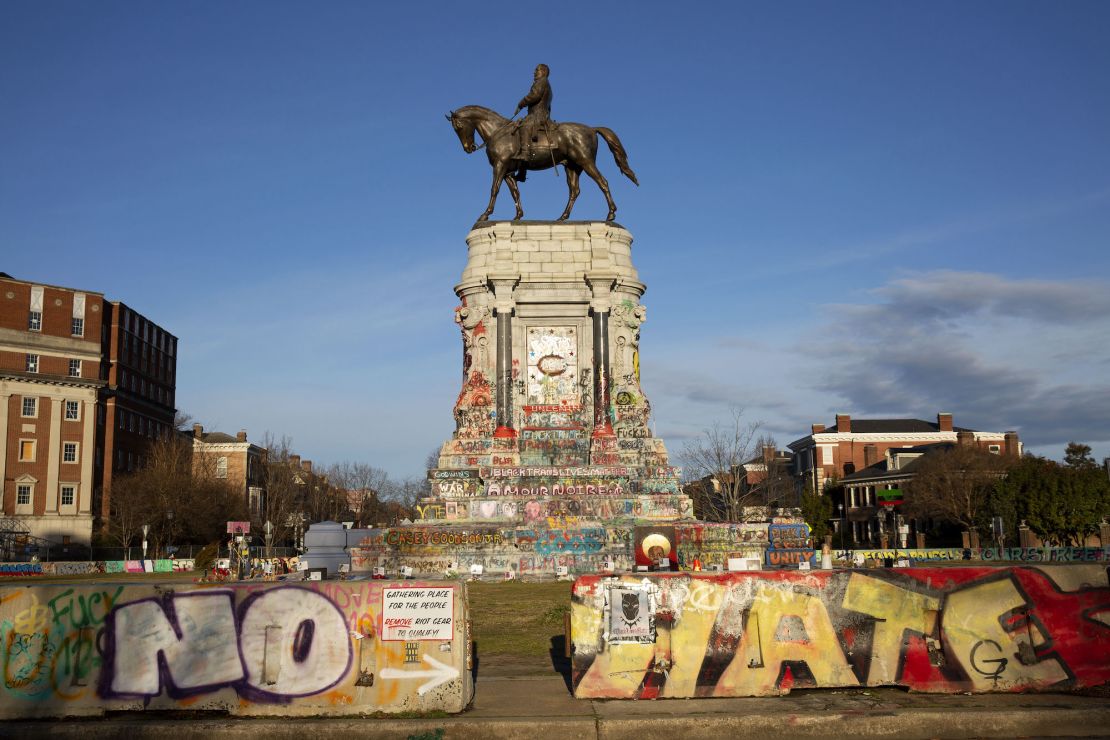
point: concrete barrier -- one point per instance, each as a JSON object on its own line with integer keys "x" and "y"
{"x": 92, "y": 567}
{"x": 946, "y": 630}
{"x": 987, "y": 554}
{"x": 334, "y": 648}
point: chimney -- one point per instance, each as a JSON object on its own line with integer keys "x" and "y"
{"x": 944, "y": 421}
{"x": 241, "y": 436}
{"x": 843, "y": 423}
{"x": 768, "y": 454}
{"x": 306, "y": 466}
{"x": 295, "y": 461}
{"x": 965, "y": 439}
{"x": 1013, "y": 444}
{"x": 818, "y": 428}
{"x": 870, "y": 455}
{"x": 198, "y": 431}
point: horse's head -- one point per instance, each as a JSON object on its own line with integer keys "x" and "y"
{"x": 464, "y": 129}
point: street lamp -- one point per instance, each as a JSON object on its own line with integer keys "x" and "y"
{"x": 146, "y": 528}
{"x": 268, "y": 528}
{"x": 840, "y": 515}
{"x": 169, "y": 532}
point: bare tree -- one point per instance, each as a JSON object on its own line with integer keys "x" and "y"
{"x": 404, "y": 494}
{"x": 431, "y": 460}
{"x": 955, "y": 484}
{"x": 283, "y": 503}
{"x": 361, "y": 486}
{"x": 130, "y": 509}
{"x": 770, "y": 477}
{"x": 167, "y": 494}
{"x": 715, "y": 462}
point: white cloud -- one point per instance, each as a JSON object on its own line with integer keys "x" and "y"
{"x": 1031, "y": 355}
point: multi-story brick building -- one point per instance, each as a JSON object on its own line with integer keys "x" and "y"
{"x": 851, "y": 445}
{"x": 232, "y": 459}
{"x": 85, "y": 383}
{"x": 139, "y": 366}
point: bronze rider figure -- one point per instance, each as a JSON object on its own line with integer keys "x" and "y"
{"x": 538, "y": 102}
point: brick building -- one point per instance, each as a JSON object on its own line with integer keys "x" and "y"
{"x": 850, "y": 445}
{"x": 139, "y": 366}
{"x": 85, "y": 383}
{"x": 858, "y": 506}
{"x": 234, "y": 460}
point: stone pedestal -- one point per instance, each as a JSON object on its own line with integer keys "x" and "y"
{"x": 551, "y": 421}
{"x": 552, "y": 464}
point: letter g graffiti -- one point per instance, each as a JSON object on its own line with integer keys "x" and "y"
{"x": 989, "y": 667}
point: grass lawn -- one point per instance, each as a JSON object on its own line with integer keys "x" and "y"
{"x": 517, "y": 620}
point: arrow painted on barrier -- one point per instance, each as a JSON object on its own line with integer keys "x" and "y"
{"x": 439, "y": 673}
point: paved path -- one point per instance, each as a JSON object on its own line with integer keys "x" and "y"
{"x": 541, "y": 707}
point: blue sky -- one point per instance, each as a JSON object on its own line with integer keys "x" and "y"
{"x": 885, "y": 209}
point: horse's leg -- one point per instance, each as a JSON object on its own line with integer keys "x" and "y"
{"x": 498, "y": 176}
{"x": 572, "y": 188}
{"x": 511, "y": 182}
{"x": 591, "y": 169}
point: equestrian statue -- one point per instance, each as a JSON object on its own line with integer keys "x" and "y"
{"x": 537, "y": 143}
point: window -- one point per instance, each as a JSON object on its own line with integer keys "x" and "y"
{"x": 69, "y": 452}
{"x": 995, "y": 449}
{"x": 221, "y": 467}
{"x": 75, "y": 368}
{"x": 73, "y": 410}
{"x": 34, "y": 320}
{"x": 69, "y": 494}
{"x": 23, "y": 494}
{"x": 26, "y": 450}
{"x": 78, "y": 327}
{"x": 30, "y": 406}
{"x": 32, "y": 363}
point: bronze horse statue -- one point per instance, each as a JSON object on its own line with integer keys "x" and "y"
{"x": 573, "y": 145}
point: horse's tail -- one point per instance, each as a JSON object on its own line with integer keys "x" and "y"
{"x": 618, "y": 152}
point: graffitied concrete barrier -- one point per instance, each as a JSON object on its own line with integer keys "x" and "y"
{"x": 326, "y": 648}
{"x": 977, "y": 629}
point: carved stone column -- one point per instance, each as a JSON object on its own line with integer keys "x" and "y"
{"x": 602, "y": 423}
{"x": 601, "y": 283}
{"x": 503, "y": 288}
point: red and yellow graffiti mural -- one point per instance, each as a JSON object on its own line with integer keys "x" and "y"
{"x": 928, "y": 629}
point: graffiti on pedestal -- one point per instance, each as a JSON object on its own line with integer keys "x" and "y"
{"x": 789, "y": 544}
{"x": 654, "y": 547}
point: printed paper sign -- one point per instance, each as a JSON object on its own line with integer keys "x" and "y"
{"x": 418, "y": 613}
{"x": 631, "y": 615}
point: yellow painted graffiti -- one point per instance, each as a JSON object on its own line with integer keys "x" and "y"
{"x": 991, "y": 654}
{"x": 772, "y": 637}
{"x": 896, "y": 610}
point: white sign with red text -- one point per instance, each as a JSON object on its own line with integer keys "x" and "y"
{"x": 420, "y": 613}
